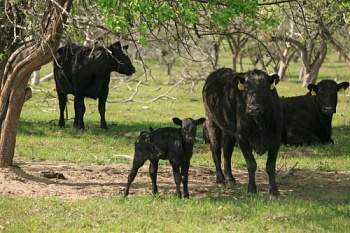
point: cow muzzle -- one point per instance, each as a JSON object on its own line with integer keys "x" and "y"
{"x": 190, "y": 139}
{"x": 132, "y": 70}
{"x": 254, "y": 110}
{"x": 328, "y": 110}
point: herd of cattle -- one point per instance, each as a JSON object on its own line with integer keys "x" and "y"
{"x": 241, "y": 109}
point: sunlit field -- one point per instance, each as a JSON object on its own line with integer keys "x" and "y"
{"x": 309, "y": 208}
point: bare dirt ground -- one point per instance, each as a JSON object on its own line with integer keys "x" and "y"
{"x": 84, "y": 181}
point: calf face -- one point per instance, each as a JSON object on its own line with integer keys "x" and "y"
{"x": 326, "y": 93}
{"x": 188, "y": 128}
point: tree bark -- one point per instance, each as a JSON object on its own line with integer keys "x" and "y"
{"x": 19, "y": 66}
{"x": 310, "y": 71}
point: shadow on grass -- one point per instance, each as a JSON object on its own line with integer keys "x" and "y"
{"x": 44, "y": 129}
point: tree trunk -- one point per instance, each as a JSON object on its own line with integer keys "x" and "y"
{"x": 310, "y": 71}
{"x": 236, "y": 44}
{"x": 10, "y": 123}
{"x": 18, "y": 69}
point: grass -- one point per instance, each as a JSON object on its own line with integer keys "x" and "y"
{"x": 308, "y": 209}
{"x": 246, "y": 213}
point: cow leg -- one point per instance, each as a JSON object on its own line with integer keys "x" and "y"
{"x": 76, "y": 115}
{"x": 214, "y": 134}
{"x": 102, "y": 110}
{"x": 251, "y": 166}
{"x": 184, "y": 172}
{"x": 271, "y": 171}
{"x": 153, "y": 169}
{"x": 228, "y": 144}
{"x": 62, "y": 102}
{"x": 80, "y": 108}
{"x": 137, "y": 163}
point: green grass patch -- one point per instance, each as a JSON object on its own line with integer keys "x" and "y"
{"x": 307, "y": 208}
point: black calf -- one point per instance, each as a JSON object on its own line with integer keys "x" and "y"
{"x": 173, "y": 144}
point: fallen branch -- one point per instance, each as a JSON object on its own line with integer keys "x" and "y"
{"x": 47, "y": 77}
{"x": 165, "y": 94}
{"x": 290, "y": 171}
{"x": 131, "y": 98}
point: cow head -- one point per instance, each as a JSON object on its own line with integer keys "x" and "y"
{"x": 256, "y": 86}
{"x": 122, "y": 63}
{"x": 188, "y": 128}
{"x": 326, "y": 94}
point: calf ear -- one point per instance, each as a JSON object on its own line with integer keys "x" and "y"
{"x": 342, "y": 86}
{"x": 313, "y": 89}
{"x": 200, "y": 121}
{"x": 177, "y": 121}
{"x": 126, "y": 47}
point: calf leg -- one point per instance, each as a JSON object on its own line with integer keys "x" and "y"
{"x": 177, "y": 178}
{"x": 62, "y": 102}
{"x": 228, "y": 144}
{"x": 153, "y": 169}
{"x": 184, "y": 172}
{"x": 137, "y": 163}
{"x": 251, "y": 166}
{"x": 271, "y": 171}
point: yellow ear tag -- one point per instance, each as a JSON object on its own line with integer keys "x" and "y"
{"x": 273, "y": 85}
{"x": 240, "y": 86}
{"x": 341, "y": 90}
{"x": 313, "y": 92}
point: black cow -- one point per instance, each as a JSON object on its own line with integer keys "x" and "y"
{"x": 307, "y": 119}
{"x": 173, "y": 144}
{"x": 243, "y": 108}
{"x": 85, "y": 72}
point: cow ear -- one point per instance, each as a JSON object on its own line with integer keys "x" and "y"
{"x": 273, "y": 80}
{"x": 125, "y": 50}
{"x": 313, "y": 89}
{"x": 342, "y": 86}
{"x": 177, "y": 121}
{"x": 200, "y": 121}
{"x": 240, "y": 83}
{"x": 115, "y": 45}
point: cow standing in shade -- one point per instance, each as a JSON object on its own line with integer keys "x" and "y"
{"x": 243, "y": 108}
{"x": 85, "y": 72}
{"x": 307, "y": 119}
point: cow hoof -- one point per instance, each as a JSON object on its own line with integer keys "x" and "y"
{"x": 220, "y": 184}
{"x": 251, "y": 190}
{"x": 231, "y": 184}
{"x": 274, "y": 193}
